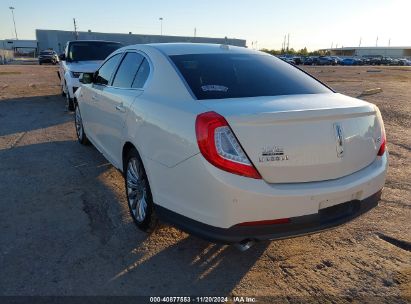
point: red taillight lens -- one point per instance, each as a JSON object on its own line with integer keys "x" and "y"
{"x": 381, "y": 151}
{"x": 219, "y": 146}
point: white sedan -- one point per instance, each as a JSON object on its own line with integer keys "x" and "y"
{"x": 231, "y": 144}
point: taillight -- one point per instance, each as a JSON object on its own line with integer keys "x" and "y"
{"x": 381, "y": 151}
{"x": 220, "y": 147}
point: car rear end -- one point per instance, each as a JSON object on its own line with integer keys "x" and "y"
{"x": 47, "y": 57}
{"x": 281, "y": 155}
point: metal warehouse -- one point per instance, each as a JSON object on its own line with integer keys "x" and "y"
{"x": 393, "y": 52}
{"x": 56, "y": 40}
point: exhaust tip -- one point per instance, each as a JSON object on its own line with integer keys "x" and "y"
{"x": 244, "y": 245}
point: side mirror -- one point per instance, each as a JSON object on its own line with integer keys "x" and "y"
{"x": 62, "y": 57}
{"x": 86, "y": 78}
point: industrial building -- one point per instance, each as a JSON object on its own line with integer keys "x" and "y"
{"x": 19, "y": 46}
{"x": 56, "y": 40}
{"x": 377, "y": 51}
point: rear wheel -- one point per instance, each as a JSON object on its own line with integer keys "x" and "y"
{"x": 138, "y": 193}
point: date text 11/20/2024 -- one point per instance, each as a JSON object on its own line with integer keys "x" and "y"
{"x": 235, "y": 299}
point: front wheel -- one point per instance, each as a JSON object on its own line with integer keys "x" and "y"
{"x": 78, "y": 122}
{"x": 69, "y": 102}
{"x": 138, "y": 193}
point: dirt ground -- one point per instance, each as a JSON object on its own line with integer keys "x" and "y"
{"x": 65, "y": 227}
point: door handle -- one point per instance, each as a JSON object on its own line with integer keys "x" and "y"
{"x": 120, "y": 108}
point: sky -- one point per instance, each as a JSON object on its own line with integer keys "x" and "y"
{"x": 313, "y": 24}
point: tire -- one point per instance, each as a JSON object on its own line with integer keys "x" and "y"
{"x": 78, "y": 124}
{"x": 138, "y": 192}
{"x": 63, "y": 86}
{"x": 69, "y": 101}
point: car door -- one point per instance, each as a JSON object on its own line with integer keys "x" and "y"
{"x": 93, "y": 110}
{"x": 116, "y": 101}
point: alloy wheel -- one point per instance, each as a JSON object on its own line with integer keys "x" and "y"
{"x": 79, "y": 124}
{"x": 136, "y": 190}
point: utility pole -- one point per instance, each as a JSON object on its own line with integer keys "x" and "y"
{"x": 195, "y": 32}
{"x": 75, "y": 29}
{"x": 360, "y": 42}
{"x": 376, "y": 42}
{"x": 288, "y": 42}
{"x": 161, "y": 25}
{"x": 389, "y": 42}
{"x": 14, "y": 22}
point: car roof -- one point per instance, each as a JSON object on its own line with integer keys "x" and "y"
{"x": 171, "y": 49}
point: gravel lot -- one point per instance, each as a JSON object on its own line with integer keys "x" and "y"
{"x": 65, "y": 227}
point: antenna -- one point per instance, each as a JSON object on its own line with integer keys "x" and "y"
{"x": 75, "y": 29}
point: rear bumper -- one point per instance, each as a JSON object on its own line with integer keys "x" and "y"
{"x": 47, "y": 60}
{"x": 326, "y": 218}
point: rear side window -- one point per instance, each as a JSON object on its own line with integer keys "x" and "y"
{"x": 217, "y": 76}
{"x": 142, "y": 74}
{"x": 128, "y": 70}
{"x": 106, "y": 70}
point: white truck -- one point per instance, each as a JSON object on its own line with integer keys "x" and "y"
{"x": 81, "y": 56}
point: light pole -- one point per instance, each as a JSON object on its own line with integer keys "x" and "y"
{"x": 161, "y": 25}
{"x": 14, "y": 22}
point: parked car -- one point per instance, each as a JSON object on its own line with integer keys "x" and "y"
{"x": 386, "y": 60}
{"x": 349, "y": 61}
{"x": 298, "y": 60}
{"x": 337, "y": 59}
{"x": 287, "y": 59}
{"x": 48, "y": 56}
{"x": 308, "y": 61}
{"x": 325, "y": 60}
{"x": 81, "y": 56}
{"x": 231, "y": 144}
{"x": 375, "y": 60}
{"x": 404, "y": 62}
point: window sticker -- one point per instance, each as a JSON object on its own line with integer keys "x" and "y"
{"x": 214, "y": 88}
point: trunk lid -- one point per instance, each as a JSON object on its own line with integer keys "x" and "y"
{"x": 303, "y": 138}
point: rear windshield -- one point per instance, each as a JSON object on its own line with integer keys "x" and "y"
{"x": 217, "y": 76}
{"x": 84, "y": 51}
